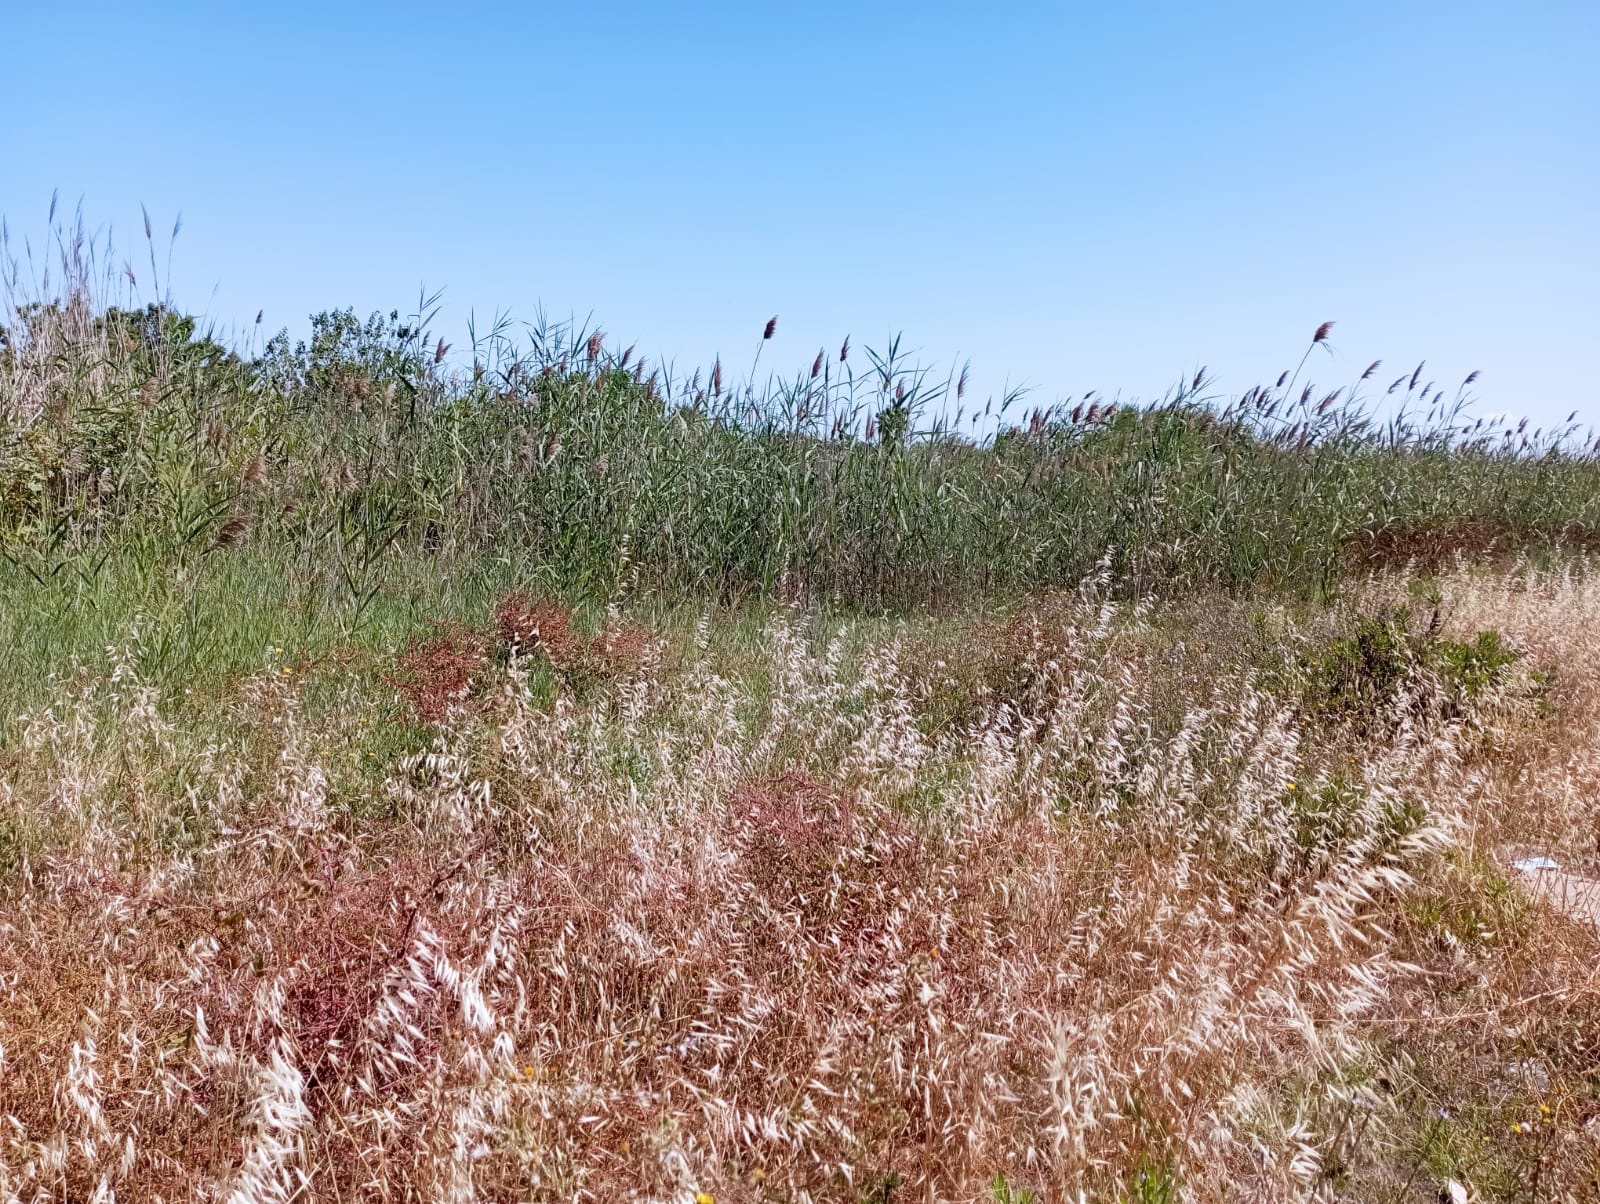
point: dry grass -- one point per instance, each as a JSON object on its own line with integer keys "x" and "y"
{"x": 806, "y": 924}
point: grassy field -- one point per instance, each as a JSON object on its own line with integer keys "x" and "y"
{"x": 542, "y": 780}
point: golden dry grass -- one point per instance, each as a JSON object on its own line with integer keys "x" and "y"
{"x": 1059, "y": 899}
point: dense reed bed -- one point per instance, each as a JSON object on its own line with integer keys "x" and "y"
{"x": 131, "y": 435}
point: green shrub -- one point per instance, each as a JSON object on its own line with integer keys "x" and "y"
{"x": 1471, "y": 668}
{"x": 1004, "y": 1193}
{"x": 1156, "y": 1182}
{"x": 1361, "y": 674}
{"x": 1358, "y": 678}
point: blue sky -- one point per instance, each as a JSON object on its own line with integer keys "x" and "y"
{"x": 1074, "y": 196}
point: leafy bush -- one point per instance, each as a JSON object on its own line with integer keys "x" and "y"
{"x": 1360, "y": 677}
{"x": 1362, "y": 673}
{"x": 1471, "y": 668}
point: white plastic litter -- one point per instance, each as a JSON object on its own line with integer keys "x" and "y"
{"x": 1531, "y": 864}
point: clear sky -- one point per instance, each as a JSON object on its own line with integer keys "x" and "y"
{"x": 1074, "y": 196}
